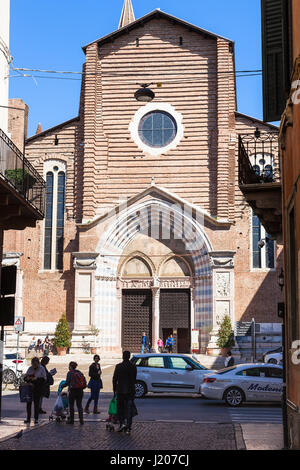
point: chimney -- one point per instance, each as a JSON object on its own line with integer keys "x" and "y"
{"x": 18, "y": 122}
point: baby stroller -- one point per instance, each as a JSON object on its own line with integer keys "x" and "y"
{"x": 61, "y": 408}
{"x": 112, "y": 415}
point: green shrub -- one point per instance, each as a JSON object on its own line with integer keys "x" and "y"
{"x": 225, "y": 334}
{"x": 62, "y": 335}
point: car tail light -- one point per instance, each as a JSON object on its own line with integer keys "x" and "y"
{"x": 209, "y": 380}
{"x": 15, "y": 361}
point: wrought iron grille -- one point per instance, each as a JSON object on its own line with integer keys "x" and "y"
{"x": 259, "y": 158}
{"x": 17, "y": 170}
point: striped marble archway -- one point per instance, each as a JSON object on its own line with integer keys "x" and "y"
{"x": 142, "y": 218}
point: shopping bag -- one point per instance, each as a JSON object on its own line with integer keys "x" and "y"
{"x": 112, "y": 410}
{"x": 59, "y": 405}
{"x": 26, "y": 393}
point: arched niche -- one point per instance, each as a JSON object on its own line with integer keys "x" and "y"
{"x": 175, "y": 267}
{"x": 136, "y": 267}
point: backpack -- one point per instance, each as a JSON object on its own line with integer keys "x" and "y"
{"x": 77, "y": 380}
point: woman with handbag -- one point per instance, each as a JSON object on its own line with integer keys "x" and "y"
{"x": 36, "y": 377}
{"x": 50, "y": 381}
{"x": 95, "y": 384}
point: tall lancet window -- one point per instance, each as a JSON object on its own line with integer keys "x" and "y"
{"x": 55, "y": 215}
{"x": 262, "y": 257}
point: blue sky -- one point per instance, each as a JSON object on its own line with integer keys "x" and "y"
{"x": 49, "y": 34}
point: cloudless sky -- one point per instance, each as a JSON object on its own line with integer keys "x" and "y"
{"x": 50, "y": 34}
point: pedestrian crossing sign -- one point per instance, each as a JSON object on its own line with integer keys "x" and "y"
{"x": 19, "y": 324}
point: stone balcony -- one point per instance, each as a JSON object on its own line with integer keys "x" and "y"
{"x": 22, "y": 189}
{"x": 260, "y": 179}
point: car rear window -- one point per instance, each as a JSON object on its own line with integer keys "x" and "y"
{"x": 275, "y": 372}
{"x": 224, "y": 371}
{"x": 11, "y": 356}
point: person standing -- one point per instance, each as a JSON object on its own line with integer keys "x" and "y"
{"x": 36, "y": 376}
{"x": 160, "y": 345}
{"x": 170, "y": 343}
{"x": 47, "y": 346}
{"x": 76, "y": 382}
{"x": 95, "y": 384}
{"x": 145, "y": 343}
{"x": 124, "y": 380}
{"x": 46, "y": 391}
{"x": 229, "y": 361}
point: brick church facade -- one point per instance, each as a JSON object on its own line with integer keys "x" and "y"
{"x": 146, "y": 228}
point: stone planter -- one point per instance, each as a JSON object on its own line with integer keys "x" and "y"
{"x": 61, "y": 351}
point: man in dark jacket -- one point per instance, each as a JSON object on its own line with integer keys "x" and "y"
{"x": 124, "y": 380}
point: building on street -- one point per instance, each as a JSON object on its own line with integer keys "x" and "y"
{"x": 146, "y": 227}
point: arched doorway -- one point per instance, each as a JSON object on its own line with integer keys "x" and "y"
{"x": 119, "y": 272}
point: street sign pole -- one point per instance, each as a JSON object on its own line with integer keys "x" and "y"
{"x": 17, "y": 362}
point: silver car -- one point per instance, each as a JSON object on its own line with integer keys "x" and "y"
{"x": 173, "y": 373}
{"x": 244, "y": 383}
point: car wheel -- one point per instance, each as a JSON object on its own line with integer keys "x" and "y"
{"x": 272, "y": 361}
{"x": 8, "y": 376}
{"x": 234, "y": 396}
{"x": 140, "y": 390}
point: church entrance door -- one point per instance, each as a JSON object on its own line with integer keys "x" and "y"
{"x": 175, "y": 317}
{"x": 136, "y": 318}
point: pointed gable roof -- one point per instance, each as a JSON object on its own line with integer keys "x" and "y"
{"x": 155, "y": 14}
{"x": 155, "y": 191}
{"x": 127, "y": 15}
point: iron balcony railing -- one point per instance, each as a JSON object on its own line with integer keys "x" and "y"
{"x": 259, "y": 158}
{"x": 17, "y": 171}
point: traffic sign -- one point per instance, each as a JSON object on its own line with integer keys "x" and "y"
{"x": 19, "y": 324}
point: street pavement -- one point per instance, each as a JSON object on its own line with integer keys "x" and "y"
{"x": 164, "y": 422}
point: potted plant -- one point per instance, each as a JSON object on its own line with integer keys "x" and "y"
{"x": 95, "y": 332}
{"x": 19, "y": 178}
{"x": 225, "y": 335}
{"x": 62, "y": 336}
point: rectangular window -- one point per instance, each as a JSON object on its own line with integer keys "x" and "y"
{"x": 264, "y": 257}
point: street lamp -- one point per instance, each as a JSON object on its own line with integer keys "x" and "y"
{"x": 144, "y": 93}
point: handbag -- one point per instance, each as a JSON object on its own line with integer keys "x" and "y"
{"x": 112, "y": 409}
{"x": 26, "y": 393}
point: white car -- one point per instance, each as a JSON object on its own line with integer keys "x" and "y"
{"x": 244, "y": 383}
{"x": 10, "y": 365}
{"x": 273, "y": 358}
{"x": 173, "y": 373}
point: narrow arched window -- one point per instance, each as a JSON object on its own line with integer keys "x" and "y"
{"x": 48, "y": 221}
{"x": 54, "y": 217}
{"x": 60, "y": 220}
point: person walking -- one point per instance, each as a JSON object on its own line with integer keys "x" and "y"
{"x": 95, "y": 384}
{"x": 170, "y": 343}
{"x": 76, "y": 382}
{"x": 145, "y": 343}
{"x": 36, "y": 377}
{"x": 124, "y": 380}
{"x": 160, "y": 345}
{"x": 49, "y": 381}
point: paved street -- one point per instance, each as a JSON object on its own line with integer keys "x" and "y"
{"x": 145, "y": 436}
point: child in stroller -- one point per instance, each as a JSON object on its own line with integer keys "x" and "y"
{"x": 61, "y": 408}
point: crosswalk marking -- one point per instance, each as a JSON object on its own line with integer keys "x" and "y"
{"x": 256, "y": 416}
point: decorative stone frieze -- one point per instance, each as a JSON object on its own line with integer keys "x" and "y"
{"x": 84, "y": 260}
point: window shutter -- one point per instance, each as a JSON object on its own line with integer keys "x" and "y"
{"x": 275, "y": 53}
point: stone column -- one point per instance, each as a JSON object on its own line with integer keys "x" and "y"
{"x": 155, "y": 316}
{"x": 84, "y": 315}
{"x": 222, "y": 264}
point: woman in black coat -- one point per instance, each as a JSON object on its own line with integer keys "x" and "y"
{"x": 95, "y": 384}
